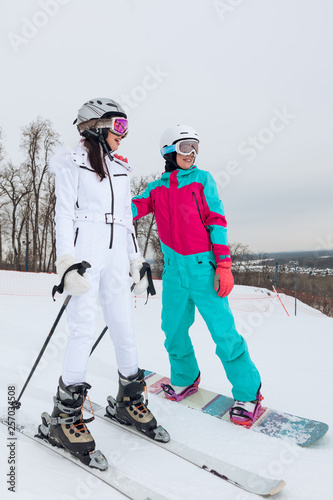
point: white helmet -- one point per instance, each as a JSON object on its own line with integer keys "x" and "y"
{"x": 94, "y": 113}
{"x": 174, "y": 134}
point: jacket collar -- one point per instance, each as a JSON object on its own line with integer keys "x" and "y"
{"x": 80, "y": 156}
{"x": 179, "y": 172}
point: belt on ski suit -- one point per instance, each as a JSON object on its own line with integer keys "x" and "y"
{"x": 107, "y": 218}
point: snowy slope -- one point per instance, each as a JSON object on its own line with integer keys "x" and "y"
{"x": 292, "y": 354}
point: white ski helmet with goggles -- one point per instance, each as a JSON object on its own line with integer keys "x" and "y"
{"x": 180, "y": 139}
{"x": 101, "y": 113}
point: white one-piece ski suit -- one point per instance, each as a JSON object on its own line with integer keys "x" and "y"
{"x": 94, "y": 223}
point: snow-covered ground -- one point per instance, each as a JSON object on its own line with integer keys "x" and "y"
{"x": 293, "y": 354}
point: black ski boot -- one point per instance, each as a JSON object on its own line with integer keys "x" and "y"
{"x": 130, "y": 407}
{"x": 67, "y": 429}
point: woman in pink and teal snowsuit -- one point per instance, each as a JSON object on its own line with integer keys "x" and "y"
{"x": 193, "y": 233}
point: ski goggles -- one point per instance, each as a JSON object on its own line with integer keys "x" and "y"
{"x": 184, "y": 147}
{"x": 118, "y": 126}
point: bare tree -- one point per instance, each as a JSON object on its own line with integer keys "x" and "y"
{"x": 27, "y": 200}
{"x": 240, "y": 255}
{"x": 0, "y": 240}
{"x": 2, "y": 201}
{"x": 38, "y": 142}
{"x": 145, "y": 228}
{"x": 47, "y": 248}
{"x": 13, "y": 189}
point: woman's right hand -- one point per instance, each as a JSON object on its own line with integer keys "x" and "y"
{"x": 75, "y": 283}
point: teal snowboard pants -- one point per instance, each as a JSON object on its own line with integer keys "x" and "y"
{"x": 188, "y": 281}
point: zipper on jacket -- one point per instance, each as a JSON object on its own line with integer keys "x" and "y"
{"x": 197, "y": 204}
{"x": 112, "y": 204}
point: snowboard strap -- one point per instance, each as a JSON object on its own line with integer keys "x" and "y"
{"x": 173, "y": 396}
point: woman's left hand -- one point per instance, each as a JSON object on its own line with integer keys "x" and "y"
{"x": 141, "y": 284}
{"x": 224, "y": 280}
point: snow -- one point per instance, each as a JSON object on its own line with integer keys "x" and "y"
{"x": 292, "y": 353}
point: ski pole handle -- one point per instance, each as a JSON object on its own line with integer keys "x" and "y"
{"x": 81, "y": 269}
{"x": 146, "y": 269}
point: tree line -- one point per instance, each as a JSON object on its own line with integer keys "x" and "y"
{"x": 27, "y": 204}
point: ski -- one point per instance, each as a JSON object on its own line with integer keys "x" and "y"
{"x": 302, "y": 431}
{"x": 111, "y": 476}
{"x": 249, "y": 481}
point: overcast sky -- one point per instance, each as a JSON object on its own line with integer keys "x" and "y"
{"x": 253, "y": 77}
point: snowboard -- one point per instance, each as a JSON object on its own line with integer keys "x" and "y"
{"x": 302, "y": 431}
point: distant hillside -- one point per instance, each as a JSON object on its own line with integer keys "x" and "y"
{"x": 317, "y": 259}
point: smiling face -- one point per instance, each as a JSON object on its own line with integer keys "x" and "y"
{"x": 113, "y": 141}
{"x": 185, "y": 162}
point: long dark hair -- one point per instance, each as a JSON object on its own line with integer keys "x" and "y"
{"x": 170, "y": 162}
{"x": 95, "y": 157}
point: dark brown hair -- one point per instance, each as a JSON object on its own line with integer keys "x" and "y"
{"x": 95, "y": 156}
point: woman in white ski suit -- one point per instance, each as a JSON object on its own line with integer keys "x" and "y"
{"x": 94, "y": 224}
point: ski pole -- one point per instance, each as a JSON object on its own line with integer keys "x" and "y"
{"x": 98, "y": 340}
{"x": 81, "y": 269}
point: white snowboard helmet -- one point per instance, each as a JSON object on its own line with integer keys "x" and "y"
{"x": 95, "y": 113}
{"x": 174, "y": 134}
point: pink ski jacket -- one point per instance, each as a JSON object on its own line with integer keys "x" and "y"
{"x": 189, "y": 214}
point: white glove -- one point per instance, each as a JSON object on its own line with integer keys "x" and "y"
{"x": 75, "y": 284}
{"x": 141, "y": 285}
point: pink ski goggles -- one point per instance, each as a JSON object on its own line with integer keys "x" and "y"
{"x": 119, "y": 126}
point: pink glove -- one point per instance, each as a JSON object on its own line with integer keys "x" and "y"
{"x": 121, "y": 158}
{"x": 224, "y": 280}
